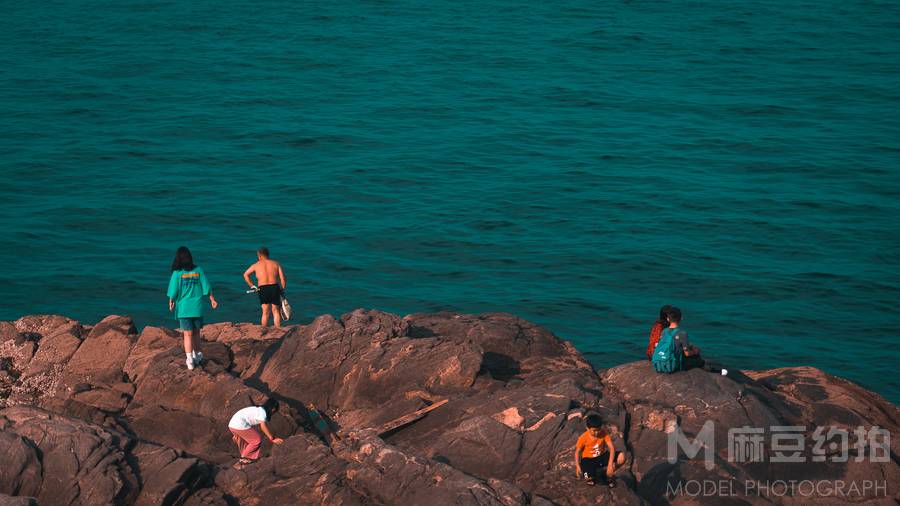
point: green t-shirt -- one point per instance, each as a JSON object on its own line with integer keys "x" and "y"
{"x": 187, "y": 289}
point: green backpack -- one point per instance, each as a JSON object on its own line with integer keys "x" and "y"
{"x": 666, "y": 356}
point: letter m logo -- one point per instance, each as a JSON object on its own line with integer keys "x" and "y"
{"x": 705, "y": 440}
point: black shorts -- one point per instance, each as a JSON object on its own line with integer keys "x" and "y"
{"x": 595, "y": 467}
{"x": 270, "y": 294}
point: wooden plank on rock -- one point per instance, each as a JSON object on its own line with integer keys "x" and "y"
{"x": 410, "y": 418}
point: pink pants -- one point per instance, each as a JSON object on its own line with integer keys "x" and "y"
{"x": 248, "y": 441}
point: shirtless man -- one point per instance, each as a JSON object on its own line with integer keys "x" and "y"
{"x": 268, "y": 274}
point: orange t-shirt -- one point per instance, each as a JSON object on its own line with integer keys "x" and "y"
{"x": 592, "y": 447}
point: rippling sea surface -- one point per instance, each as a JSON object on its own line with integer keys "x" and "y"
{"x": 576, "y": 163}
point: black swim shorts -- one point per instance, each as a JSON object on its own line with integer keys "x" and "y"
{"x": 270, "y": 294}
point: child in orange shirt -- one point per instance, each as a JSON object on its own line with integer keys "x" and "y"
{"x": 589, "y": 453}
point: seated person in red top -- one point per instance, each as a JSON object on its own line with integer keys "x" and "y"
{"x": 594, "y": 452}
{"x": 657, "y": 329}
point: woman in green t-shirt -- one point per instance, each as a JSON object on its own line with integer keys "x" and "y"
{"x": 187, "y": 287}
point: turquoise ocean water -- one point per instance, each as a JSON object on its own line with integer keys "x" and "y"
{"x": 576, "y": 163}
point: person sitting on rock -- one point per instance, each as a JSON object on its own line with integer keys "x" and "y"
{"x": 246, "y": 437}
{"x": 657, "y": 329}
{"x": 674, "y": 352}
{"x": 590, "y": 450}
{"x": 187, "y": 287}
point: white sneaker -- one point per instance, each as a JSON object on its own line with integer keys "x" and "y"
{"x": 724, "y": 372}
{"x": 198, "y": 358}
{"x": 190, "y": 363}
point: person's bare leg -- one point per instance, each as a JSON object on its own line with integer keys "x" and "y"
{"x": 188, "y": 341}
{"x": 195, "y": 341}
{"x": 265, "y": 315}
{"x": 189, "y": 348}
{"x": 276, "y": 314}
{"x": 619, "y": 462}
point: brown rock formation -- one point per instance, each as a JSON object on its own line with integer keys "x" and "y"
{"x": 104, "y": 415}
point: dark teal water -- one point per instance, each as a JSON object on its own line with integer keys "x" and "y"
{"x": 577, "y": 163}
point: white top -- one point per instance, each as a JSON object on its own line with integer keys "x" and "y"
{"x": 247, "y": 417}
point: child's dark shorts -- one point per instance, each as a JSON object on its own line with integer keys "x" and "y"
{"x": 595, "y": 467}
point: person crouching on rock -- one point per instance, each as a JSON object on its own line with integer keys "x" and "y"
{"x": 246, "y": 437}
{"x": 187, "y": 287}
{"x": 657, "y": 329}
{"x": 594, "y": 451}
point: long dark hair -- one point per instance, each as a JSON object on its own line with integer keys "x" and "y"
{"x": 270, "y": 407}
{"x": 183, "y": 260}
{"x": 663, "y": 315}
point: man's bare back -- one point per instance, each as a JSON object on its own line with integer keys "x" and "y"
{"x": 269, "y": 275}
{"x": 267, "y": 272}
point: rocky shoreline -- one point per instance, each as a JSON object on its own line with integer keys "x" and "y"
{"x": 103, "y": 414}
